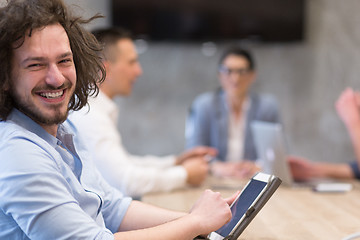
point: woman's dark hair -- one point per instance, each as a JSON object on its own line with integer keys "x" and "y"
{"x": 238, "y": 51}
{"x": 21, "y": 17}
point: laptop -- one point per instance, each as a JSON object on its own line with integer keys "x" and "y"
{"x": 270, "y": 145}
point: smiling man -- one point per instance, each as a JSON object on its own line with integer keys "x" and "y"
{"x": 44, "y": 76}
{"x": 49, "y": 187}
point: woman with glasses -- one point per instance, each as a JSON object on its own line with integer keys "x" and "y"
{"x": 222, "y": 118}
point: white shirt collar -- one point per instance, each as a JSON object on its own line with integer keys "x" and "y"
{"x": 105, "y": 104}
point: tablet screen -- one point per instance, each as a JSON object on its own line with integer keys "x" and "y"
{"x": 242, "y": 204}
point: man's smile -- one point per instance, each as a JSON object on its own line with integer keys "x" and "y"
{"x": 53, "y": 95}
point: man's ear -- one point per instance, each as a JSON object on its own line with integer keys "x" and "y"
{"x": 108, "y": 67}
{"x": 253, "y": 76}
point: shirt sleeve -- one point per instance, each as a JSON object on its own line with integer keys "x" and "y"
{"x": 151, "y": 160}
{"x": 115, "y": 205}
{"x": 39, "y": 198}
{"x": 132, "y": 175}
{"x": 355, "y": 169}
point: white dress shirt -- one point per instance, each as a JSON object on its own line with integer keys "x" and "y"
{"x": 133, "y": 175}
{"x": 236, "y": 134}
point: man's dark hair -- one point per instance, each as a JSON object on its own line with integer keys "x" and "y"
{"x": 108, "y": 37}
{"x": 238, "y": 51}
{"x": 21, "y": 17}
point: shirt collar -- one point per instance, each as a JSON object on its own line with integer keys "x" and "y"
{"x": 105, "y": 104}
{"x": 27, "y": 123}
{"x": 245, "y": 105}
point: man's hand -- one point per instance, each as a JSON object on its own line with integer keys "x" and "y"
{"x": 347, "y": 107}
{"x": 200, "y": 151}
{"x": 247, "y": 169}
{"x": 242, "y": 170}
{"x": 303, "y": 169}
{"x": 212, "y": 211}
{"x": 197, "y": 170}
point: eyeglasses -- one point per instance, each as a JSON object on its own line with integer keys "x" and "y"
{"x": 229, "y": 71}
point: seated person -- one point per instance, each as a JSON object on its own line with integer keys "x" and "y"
{"x": 133, "y": 175}
{"x": 348, "y": 108}
{"x": 222, "y": 118}
{"x": 49, "y": 186}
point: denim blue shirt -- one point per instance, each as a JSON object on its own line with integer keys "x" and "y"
{"x": 49, "y": 188}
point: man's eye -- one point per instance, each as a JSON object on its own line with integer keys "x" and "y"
{"x": 35, "y": 66}
{"x": 67, "y": 60}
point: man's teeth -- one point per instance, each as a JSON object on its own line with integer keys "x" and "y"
{"x": 52, "y": 94}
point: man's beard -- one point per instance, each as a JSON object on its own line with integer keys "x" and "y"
{"x": 36, "y": 114}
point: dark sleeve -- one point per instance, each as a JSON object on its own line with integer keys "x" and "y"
{"x": 355, "y": 168}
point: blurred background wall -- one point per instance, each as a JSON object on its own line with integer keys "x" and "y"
{"x": 305, "y": 77}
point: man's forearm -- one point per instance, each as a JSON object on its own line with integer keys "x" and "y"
{"x": 331, "y": 170}
{"x": 143, "y": 221}
{"x": 147, "y": 216}
{"x": 183, "y": 228}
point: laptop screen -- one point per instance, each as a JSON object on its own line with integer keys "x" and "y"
{"x": 270, "y": 145}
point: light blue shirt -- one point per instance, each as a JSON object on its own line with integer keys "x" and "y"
{"x": 49, "y": 188}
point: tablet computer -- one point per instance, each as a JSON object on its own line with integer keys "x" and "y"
{"x": 248, "y": 203}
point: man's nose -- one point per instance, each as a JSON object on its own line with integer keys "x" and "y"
{"x": 234, "y": 77}
{"x": 54, "y": 76}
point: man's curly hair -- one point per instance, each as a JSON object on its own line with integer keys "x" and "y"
{"x": 20, "y": 17}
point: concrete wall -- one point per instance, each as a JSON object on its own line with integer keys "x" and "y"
{"x": 305, "y": 77}
{"x": 88, "y": 8}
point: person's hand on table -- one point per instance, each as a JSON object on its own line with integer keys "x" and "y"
{"x": 200, "y": 151}
{"x": 197, "y": 169}
{"x": 303, "y": 169}
{"x": 242, "y": 170}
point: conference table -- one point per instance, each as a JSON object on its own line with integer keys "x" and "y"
{"x": 292, "y": 213}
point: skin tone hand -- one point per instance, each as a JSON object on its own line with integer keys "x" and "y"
{"x": 303, "y": 169}
{"x": 197, "y": 170}
{"x": 204, "y": 208}
{"x": 244, "y": 169}
{"x": 195, "y": 163}
{"x": 247, "y": 169}
{"x": 348, "y": 108}
{"x": 200, "y": 151}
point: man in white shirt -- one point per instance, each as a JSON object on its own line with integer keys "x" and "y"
{"x": 133, "y": 175}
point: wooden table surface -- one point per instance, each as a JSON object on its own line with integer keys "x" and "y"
{"x": 292, "y": 213}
